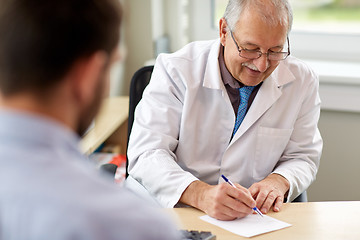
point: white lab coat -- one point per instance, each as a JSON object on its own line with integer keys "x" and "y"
{"x": 184, "y": 122}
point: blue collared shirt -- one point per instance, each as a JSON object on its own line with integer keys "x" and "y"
{"x": 49, "y": 190}
{"x": 232, "y": 85}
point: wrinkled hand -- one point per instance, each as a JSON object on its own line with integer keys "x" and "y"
{"x": 222, "y": 201}
{"x": 270, "y": 192}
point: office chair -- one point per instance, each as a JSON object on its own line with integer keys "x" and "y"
{"x": 301, "y": 198}
{"x": 138, "y": 83}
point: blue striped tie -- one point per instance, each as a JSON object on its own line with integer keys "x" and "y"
{"x": 245, "y": 93}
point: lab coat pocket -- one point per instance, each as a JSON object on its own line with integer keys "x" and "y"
{"x": 270, "y": 145}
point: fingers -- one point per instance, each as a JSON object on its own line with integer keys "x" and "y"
{"x": 225, "y": 202}
{"x": 267, "y": 197}
{"x": 273, "y": 199}
{"x": 244, "y": 195}
{"x": 228, "y": 203}
{"x": 237, "y": 205}
{"x": 278, "y": 204}
{"x": 225, "y": 213}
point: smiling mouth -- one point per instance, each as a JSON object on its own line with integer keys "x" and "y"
{"x": 253, "y": 68}
{"x": 253, "y": 71}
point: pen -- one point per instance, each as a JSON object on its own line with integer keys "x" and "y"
{"x": 233, "y": 185}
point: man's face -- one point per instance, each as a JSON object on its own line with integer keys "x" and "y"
{"x": 252, "y": 33}
{"x": 89, "y": 112}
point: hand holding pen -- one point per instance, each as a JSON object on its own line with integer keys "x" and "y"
{"x": 233, "y": 185}
{"x": 221, "y": 201}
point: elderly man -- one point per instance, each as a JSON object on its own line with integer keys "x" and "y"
{"x": 239, "y": 106}
{"x": 54, "y": 60}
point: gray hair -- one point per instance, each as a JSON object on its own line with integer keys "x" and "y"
{"x": 272, "y": 11}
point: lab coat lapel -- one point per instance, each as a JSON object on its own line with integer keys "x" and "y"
{"x": 212, "y": 74}
{"x": 269, "y": 93}
{"x": 212, "y": 71}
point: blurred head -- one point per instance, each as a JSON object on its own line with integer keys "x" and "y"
{"x": 41, "y": 40}
{"x": 254, "y": 25}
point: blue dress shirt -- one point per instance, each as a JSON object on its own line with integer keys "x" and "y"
{"x": 49, "y": 190}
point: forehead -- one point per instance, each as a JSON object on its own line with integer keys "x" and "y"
{"x": 253, "y": 28}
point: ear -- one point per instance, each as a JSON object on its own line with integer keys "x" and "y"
{"x": 86, "y": 75}
{"x": 223, "y": 27}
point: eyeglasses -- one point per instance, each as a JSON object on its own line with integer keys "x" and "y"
{"x": 255, "y": 54}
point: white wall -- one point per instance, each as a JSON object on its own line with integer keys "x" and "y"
{"x": 338, "y": 177}
{"x": 138, "y": 34}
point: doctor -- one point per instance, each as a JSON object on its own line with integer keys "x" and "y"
{"x": 190, "y": 127}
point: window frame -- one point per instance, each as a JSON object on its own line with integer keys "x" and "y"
{"x": 324, "y": 46}
{"x": 338, "y": 50}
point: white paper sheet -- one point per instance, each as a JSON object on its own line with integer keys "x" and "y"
{"x": 249, "y": 226}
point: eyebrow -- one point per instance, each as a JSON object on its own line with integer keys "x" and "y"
{"x": 255, "y": 45}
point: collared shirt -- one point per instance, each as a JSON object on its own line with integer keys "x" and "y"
{"x": 49, "y": 190}
{"x": 232, "y": 85}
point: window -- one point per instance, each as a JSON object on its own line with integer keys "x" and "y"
{"x": 322, "y": 29}
{"x": 327, "y": 16}
{"x": 218, "y": 11}
{"x": 326, "y": 34}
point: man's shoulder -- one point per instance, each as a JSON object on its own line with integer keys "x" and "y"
{"x": 100, "y": 202}
{"x": 297, "y": 72}
{"x": 121, "y": 212}
{"x": 297, "y": 65}
{"x": 82, "y": 202}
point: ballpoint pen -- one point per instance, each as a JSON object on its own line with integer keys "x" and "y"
{"x": 233, "y": 185}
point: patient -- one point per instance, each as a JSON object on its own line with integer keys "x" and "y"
{"x": 55, "y": 58}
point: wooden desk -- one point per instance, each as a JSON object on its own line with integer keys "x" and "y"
{"x": 110, "y": 126}
{"x": 310, "y": 221}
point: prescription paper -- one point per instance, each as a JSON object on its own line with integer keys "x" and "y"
{"x": 249, "y": 226}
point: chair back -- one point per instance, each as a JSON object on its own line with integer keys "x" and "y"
{"x": 301, "y": 198}
{"x": 139, "y": 81}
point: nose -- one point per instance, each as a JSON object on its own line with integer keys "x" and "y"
{"x": 262, "y": 63}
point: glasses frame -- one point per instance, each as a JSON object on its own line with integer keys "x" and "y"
{"x": 259, "y": 52}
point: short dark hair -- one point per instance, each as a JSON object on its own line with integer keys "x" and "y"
{"x": 41, "y": 39}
